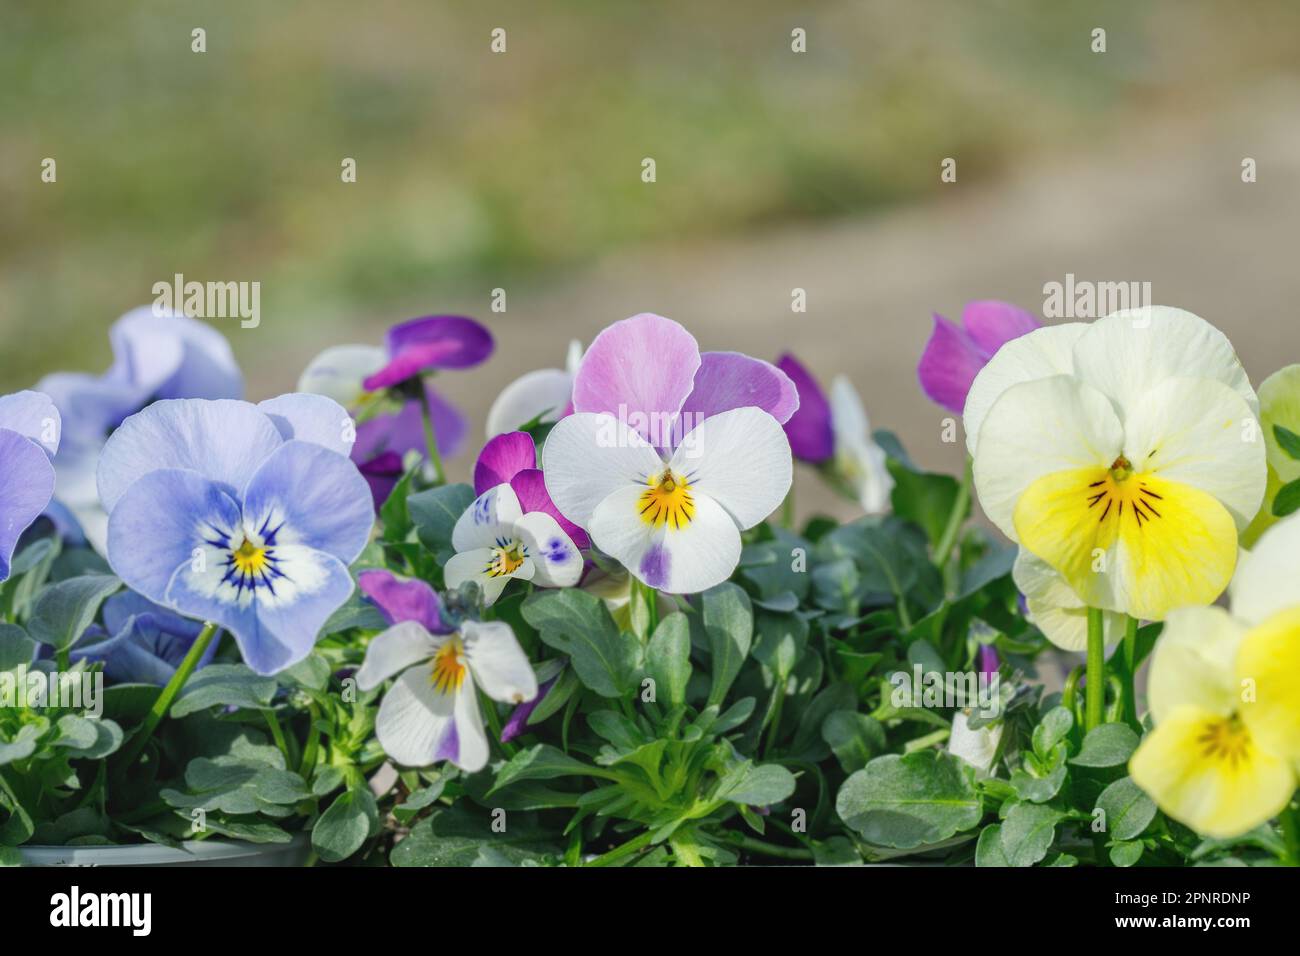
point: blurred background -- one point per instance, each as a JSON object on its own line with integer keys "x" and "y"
{"x": 522, "y": 171}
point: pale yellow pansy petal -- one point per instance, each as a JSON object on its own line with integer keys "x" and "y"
{"x": 1055, "y": 609}
{"x": 1128, "y": 353}
{"x": 1268, "y": 580}
{"x": 1192, "y": 665}
{"x": 1204, "y": 770}
{"x": 1201, "y": 433}
{"x": 1141, "y": 545}
{"x": 1268, "y": 672}
{"x": 1279, "y": 404}
{"x": 1041, "y": 353}
{"x": 1037, "y": 429}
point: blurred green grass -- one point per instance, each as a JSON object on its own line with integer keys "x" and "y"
{"x": 477, "y": 169}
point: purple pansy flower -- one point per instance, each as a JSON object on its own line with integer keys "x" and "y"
{"x": 243, "y": 515}
{"x": 511, "y": 458}
{"x": 155, "y": 356}
{"x": 29, "y": 437}
{"x": 141, "y": 642}
{"x": 955, "y": 354}
{"x": 404, "y": 599}
{"x": 431, "y": 343}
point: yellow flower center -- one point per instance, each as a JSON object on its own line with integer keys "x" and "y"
{"x": 507, "y": 558}
{"x": 449, "y": 666}
{"x": 1226, "y": 740}
{"x": 249, "y": 559}
{"x": 667, "y": 501}
{"x": 1112, "y": 495}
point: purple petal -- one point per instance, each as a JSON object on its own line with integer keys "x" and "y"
{"x": 382, "y": 473}
{"x": 404, "y": 431}
{"x": 172, "y": 356}
{"x": 639, "y": 370}
{"x": 517, "y": 723}
{"x": 404, "y": 600}
{"x": 948, "y": 365}
{"x": 502, "y": 458}
{"x": 991, "y": 324}
{"x": 26, "y": 486}
{"x": 436, "y": 341}
{"x": 728, "y": 380}
{"x": 530, "y": 487}
{"x": 812, "y": 438}
{"x": 34, "y": 416}
{"x": 988, "y": 659}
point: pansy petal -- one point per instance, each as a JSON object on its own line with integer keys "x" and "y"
{"x": 545, "y": 394}
{"x": 1055, "y": 609}
{"x": 393, "y": 651}
{"x": 557, "y": 559}
{"x": 640, "y": 370}
{"x": 471, "y": 742}
{"x": 26, "y": 484}
{"x": 587, "y": 456}
{"x": 727, "y": 380}
{"x": 475, "y": 565}
{"x": 225, "y": 441}
{"x": 1279, "y": 404}
{"x": 1042, "y": 353}
{"x": 311, "y": 418}
{"x": 33, "y": 416}
{"x": 684, "y": 560}
{"x": 1192, "y": 664}
{"x": 991, "y": 324}
{"x": 306, "y": 494}
{"x": 809, "y": 428}
{"x": 1200, "y": 433}
{"x": 435, "y": 341}
{"x": 948, "y": 365}
{"x": 1268, "y": 578}
{"x": 530, "y": 486}
{"x": 1268, "y": 663}
{"x": 340, "y": 370}
{"x": 382, "y": 473}
{"x": 415, "y": 720}
{"x": 497, "y": 662}
{"x": 741, "y": 459}
{"x": 490, "y": 517}
{"x": 403, "y": 431}
{"x": 502, "y": 458}
{"x": 403, "y": 599}
{"x": 171, "y": 355}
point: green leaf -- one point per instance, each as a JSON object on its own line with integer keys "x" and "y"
{"x": 1288, "y": 441}
{"x": 1027, "y": 833}
{"x": 907, "y": 801}
{"x": 435, "y": 513}
{"x": 1128, "y": 809}
{"x": 756, "y": 786}
{"x": 988, "y": 850}
{"x": 63, "y": 611}
{"x": 780, "y": 640}
{"x": 237, "y": 786}
{"x": 729, "y": 626}
{"x": 923, "y": 498}
{"x": 348, "y": 822}
{"x": 15, "y": 647}
{"x": 836, "y": 851}
{"x": 668, "y": 659}
{"x": 1287, "y": 499}
{"x": 578, "y": 624}
{"x": 854, "y": 738}
{"x": 224, "y": 685}
{"x": 456, "y": 837}
{"x": 1051, "y": 730}
{"x": 543, "y": 762}
{"x": 1126, "y": 854}
{"x": 1107, "y": 745}
{"x": 23, "y": 744}
{"x": 394, "y": 513}
{"x": 85, "y": 738}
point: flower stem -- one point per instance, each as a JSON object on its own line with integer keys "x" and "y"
{"x": 1095, "y": 689}
{"x": 622, "y": 850}
{"x": 1290, "y": 820}
{"x": 169, "y": 693}
{"x": 1130, "y": 666}
{"x": 956, "y": 517}
{"x": 489, "y": 707}
{"x": 771, "y": 849}
{"x": 430, "y": 439}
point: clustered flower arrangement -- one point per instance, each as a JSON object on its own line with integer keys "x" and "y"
{"x": 617, "y": 647}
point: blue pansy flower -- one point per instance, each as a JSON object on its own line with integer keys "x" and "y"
{"x": 29, "y": 437}
{"x": 155, "y": 355}
{"x": 141, "y": 642}
{"x": 244, "y": 515}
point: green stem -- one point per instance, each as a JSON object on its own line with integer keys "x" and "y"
{"x": 277, "y": 734}
{"x": 494, "y": 721}
{"x": 771, "y": 849}
{"x": 956, "y": 518}
{"x": 1290, "y": 820}
{"x": 430, "y": 439}
{"x": 779, "y": 691}
{"x": 1095, "y": 689}
{"x": 169, "y": 693}
{"x": 310, "y": 752}
{"x": 1130, "y": 666}
{"x": 622, "y": 850}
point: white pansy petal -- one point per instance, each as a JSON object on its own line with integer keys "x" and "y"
{"x": 863, "y": 465}
{"x": 848, "y": 415}
{"x": 1038, "y": 428}
{"x": 1200, "y": 433}
{"x": 497, "y": 662}
{"x": 739, "y": 458}
{"x": 471, "y": 742}
{"x": 394, "y": 650}
{"x": 546, "y": 392}
{"x": 684, "y": 560}
{"x": 414, "y": 724}
{"x": 573, "y": 356}
{"x": 1128, "y": 353}
{"x": 1194, "y": 661}
{"x": 586, "y": 456}
{"x": 473, "y": 566}
{"x": 491, "y": 518}
{"x": 1041, "y": 353}
{"x": 1054, "y": 607}
{"x": 555, "y": 556}
{"x": 339, "y": 372}
{"x": 1268, "y": 575}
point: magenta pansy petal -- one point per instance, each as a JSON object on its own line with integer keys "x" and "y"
{"x": 948, "y": 365}
{"x": 812, "y": 438}
{"x": 728, "y": 380}
{"x": 639, "y": 370}
{"x": 530, "y": 487}
{"x": 404, "y": 600}
{"x": 436, "y": 341}
{"x": 991, "y": 324}
{"x": 502, "y": 458}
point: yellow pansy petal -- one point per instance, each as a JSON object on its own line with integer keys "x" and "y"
{"x": 1193, "y": 663}
{"x": 1129, "y": 542}
{"x": 1205, "y": 771}
{"x": 1279, "y": 404}
{"x": 1268, "y": 669}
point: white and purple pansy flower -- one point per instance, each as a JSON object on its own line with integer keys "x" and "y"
{"x": 155, "y": 356}
{"x": 431, "y": 713}
{"x": 670, "y": 453}
{"x": 243, "y": 515}
{"x": 544, "y": 395}
{"x": 29, "y": 437}
{"x": 141, "y": 642}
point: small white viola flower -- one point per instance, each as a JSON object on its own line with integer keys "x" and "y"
{"x": 859, "y": 461}
{"x": 495, "y": 542}
{"x": 431, "y": 713}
